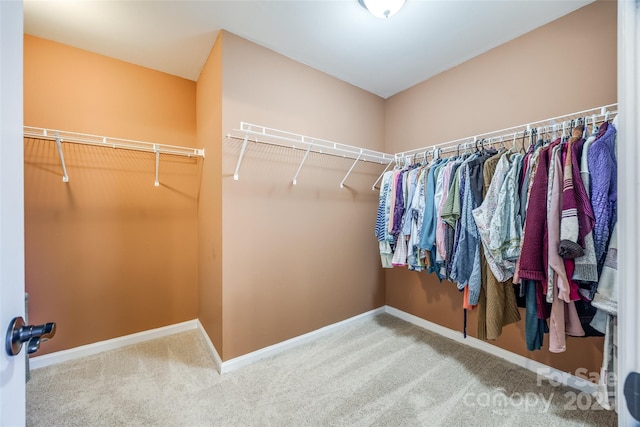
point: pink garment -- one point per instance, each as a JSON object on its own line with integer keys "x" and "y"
{"x": 564, "y": 320}
{"x": 572, "y": 324}
{"x": 516, "y": 273}
{"x": 557, "y": 339}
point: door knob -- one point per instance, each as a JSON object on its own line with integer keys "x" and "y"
{"x": 632, "y": 394}
{"x": 19, "y": 333}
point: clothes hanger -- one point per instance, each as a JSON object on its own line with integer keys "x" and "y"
{"x": 571, "y": 126}
{"x": 546, "y": 138}
{"x": 542, "y": 132}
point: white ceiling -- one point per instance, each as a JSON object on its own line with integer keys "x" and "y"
{"x": 338, "y": 37}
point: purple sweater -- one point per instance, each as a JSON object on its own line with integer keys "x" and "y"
{"x": 604, "y": 189}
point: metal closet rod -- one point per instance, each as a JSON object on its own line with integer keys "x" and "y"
{"x": 511, "y": 138}
{"x": 554, "y": 122}
{"x": 309, "y": 144}
{"x": 60, "y": 136}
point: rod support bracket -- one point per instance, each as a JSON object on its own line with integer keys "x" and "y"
{"x": 157, "y": 151}
{"x": 65, "y": 176}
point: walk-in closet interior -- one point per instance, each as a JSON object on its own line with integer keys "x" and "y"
{"x": 246, "y": 197}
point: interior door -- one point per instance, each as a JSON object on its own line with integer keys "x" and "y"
{"x": 12, "y": 368}
{"x": 628, "y": 375}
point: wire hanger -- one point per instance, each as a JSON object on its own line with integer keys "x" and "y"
{"x": 524, "y": 138}
{"x": 532, "y": 137}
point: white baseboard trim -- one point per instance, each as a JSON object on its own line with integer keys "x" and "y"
{"x": 247, "y": 359}
{"x": 212, "y": 348}
{"x": 112, "y": 344}
{"x": 556, "y": 376}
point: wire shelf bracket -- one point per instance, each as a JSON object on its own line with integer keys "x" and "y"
{"x": 65, "y": 176}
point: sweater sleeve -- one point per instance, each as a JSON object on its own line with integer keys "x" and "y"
{"x": 585, "y": 211}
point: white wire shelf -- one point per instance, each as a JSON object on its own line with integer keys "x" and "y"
{"x": 61, "y": 136}
{"x": 265, "y": 135}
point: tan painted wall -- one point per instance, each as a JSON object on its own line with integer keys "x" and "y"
{"x": 566, "y": 66}
{"x": 209, "y": 130}
{"x": 296, "y": 258}
{"x": 107, "y": 254}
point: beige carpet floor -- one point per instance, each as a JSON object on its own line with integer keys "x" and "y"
{"x": 380, "y": 371}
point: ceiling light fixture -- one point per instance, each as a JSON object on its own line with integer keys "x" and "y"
{"x": 382, "y": 8}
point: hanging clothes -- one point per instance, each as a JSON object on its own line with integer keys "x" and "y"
{"x": 564, "y": 318}
{"x": 465, "y": 268}
{"x": 484, "y": 215}
{"x": 497, "y": 305}
{"x": 415, "y": 260}
{"x": 606, "y": 300}
{"x": 382, "y": 220}
{"x": 488, "y": 221}
{"x": 586, "y": 266}
{"x": 604, "y": 187}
